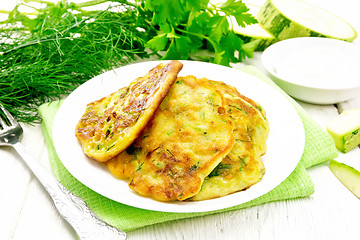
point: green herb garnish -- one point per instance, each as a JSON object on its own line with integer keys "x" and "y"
{"x": 187, "y": 26}
{"x": 242, "y": 162}
{"x": 110, "y": 147}
{"x": 238, "y": 108}
{"x": 139, "y": 167}
{"x": 195, "y": 166}
{"x": 46, "y": 54}
{"x": 218, "y": 169}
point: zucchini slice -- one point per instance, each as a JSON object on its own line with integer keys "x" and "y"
{"x": 347, "y": 175}
{"x": 295, "y": 18}
{"x": 345, "y": 130}
{"x": 254, "y": 31}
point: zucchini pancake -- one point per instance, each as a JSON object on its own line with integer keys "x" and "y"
{"x": 202, "y": 140}
{"x": 172, "y": 158}
{"x": 111, "y": 124}
{"x": 187, "y": 138}
{"x": 242, "y": 167}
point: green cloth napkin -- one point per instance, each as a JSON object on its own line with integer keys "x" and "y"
{"x": 319, "y": 148}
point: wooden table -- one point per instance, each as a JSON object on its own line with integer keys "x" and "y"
{"x": 332, "y": 212}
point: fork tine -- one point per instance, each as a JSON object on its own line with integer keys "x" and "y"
{"x": 2, "y": 123}
{"x": 9, "y": 117}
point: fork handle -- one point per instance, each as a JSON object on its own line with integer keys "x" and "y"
{"x": 73, "y": 209}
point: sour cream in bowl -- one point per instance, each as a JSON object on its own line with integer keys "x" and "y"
{"x": 315, "y": 70}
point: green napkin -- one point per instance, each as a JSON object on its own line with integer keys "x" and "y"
{"x": 319, "y": 147}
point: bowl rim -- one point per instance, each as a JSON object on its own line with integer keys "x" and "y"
{"x": 269, "y": 54}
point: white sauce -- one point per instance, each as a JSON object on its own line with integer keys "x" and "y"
{"x": 320, "y": 66}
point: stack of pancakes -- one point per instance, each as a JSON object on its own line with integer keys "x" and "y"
{"x": 177, "y": 138}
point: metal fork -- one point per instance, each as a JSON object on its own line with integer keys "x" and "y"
{"x": 73, "y": 209}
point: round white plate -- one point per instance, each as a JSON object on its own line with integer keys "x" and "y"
{"x": 285, "y": 142}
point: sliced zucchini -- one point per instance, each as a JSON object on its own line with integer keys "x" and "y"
{"x": 253, "y": 32}
{"x": 347, "y": 175}
{"x": 295, "y": 18}
{"x": 345, "y": 130}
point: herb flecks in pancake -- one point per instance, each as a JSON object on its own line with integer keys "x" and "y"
{"x": 112, "y": 123}
{"x": 187, "y": 138}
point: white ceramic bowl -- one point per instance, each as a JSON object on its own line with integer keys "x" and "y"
{"x": 315, "y": 70}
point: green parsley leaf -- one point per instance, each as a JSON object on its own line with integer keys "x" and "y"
{"x": 194, "y": 25}
{"x": 179, "y": 48}
{"x": 219, "y": 27}
{"x": 166, "y": 11}
{"x": 158, "y": 43}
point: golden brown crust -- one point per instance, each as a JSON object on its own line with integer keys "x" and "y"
{"x": 112, "y": 123}
{"x": 242, "y": 167}
{"x": 188, "y": 136}
{"x": 194, "y": 139}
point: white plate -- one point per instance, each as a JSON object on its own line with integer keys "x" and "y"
{"x": 285, "y": 142}
{"x": 315, "y": 69}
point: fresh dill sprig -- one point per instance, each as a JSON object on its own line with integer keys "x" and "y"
{"x": 45, "y": 57}
{"x": 47, "y": 53}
